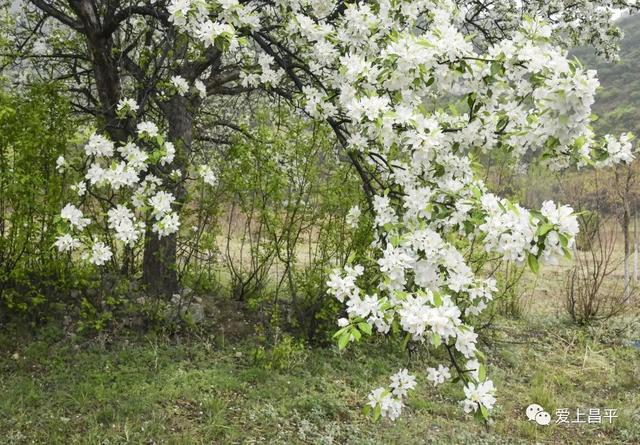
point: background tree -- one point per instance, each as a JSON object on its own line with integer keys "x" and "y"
{"x": 110, "y": 51}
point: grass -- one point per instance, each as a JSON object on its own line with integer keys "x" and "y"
{"x": 210, "y": 390}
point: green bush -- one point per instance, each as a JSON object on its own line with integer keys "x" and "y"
{"x": 36, "y": 128}
{"x": 288, "y": 195}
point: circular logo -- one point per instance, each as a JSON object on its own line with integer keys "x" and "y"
{"x": 543, "y": 418}
{"x": 533, "y": 410}
{"x": 537, "y": 414}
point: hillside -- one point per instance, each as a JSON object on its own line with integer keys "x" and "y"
{"x": 618, "y": 101}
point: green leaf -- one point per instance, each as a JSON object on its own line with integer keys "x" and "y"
{"x": 502, "y": 123}
{"x": 340, "y": 332}
{"x": 533, "y": 263}
{"x": 484, "y": 411}
{"x": 482, "y": 373}
{"x": 377, "y": 411}
{"x": 436, "y": 340}
{"x": 496, "y": 69}
{"x": 471, "y": 100}
{"x": 544, "y": 229}
{"x": 343, "y": 340}
{"x": 406, "y": 341}
{"x": 564, "y": 240}
{"x": 365, "y": 327}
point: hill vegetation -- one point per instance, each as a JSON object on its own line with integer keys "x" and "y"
{"x": 618, "y": 100}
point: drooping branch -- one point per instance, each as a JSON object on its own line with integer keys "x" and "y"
{"x": 58, "y": 14}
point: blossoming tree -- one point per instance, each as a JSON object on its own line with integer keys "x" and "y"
{"x": 144, "y": 84}
{"x": 413, "y": 90}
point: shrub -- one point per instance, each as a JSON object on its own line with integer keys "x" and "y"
{"x": 592, "y": 291}
{"x": 36, "y": 129}
{"x": 286, "y": 226}
{"x": 589, "y": 225}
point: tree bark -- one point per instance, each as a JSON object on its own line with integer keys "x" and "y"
{"x": 635, "y": 244}
{"x": 624, "y": 191}
{"x": 627, "y": 247}
{"x": 160, "y": 272}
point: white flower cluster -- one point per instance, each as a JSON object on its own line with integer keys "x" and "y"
{"x": 516, "y": 233}
{"x": 438, "y": 375}
{"x": 353, "y": 216}
{"x": 479, "y": 396}
{"x": 207, "y": 175}
{"x": 75, "y": 217}
{"x": 121, "y": 169}
{"x": 180, "y": 85}
{"x": 413, "y": 95}
{"x": 418, "y": 315}
{"x": 147, "y": 129}
{"x": 127, "y": 107}
{"x": 122, "y": 221}
{"x": 167, "y": 221}
{"x": 100, "y": 254}
{"x": 389, "y": 402}
{"x": 61, "y": 164}
{"x": 345, "y": 286}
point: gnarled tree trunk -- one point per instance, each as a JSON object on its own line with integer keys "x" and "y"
{"x": 160, "y": 274}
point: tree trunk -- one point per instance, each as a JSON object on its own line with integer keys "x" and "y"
{"x": 626, "y": 223}
{"x": 627, "y": 251}
{"x": 160, "y": 273}
{"x": 635, "y": 245}
{"x": 624, "y": 177}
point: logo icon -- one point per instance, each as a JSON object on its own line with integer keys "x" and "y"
{"x": 537, "y": 414}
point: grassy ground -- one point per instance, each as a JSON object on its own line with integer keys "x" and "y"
{"x": 210, "y": 390}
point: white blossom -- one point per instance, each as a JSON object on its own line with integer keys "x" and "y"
{"x": 148, "y": 129}
{"x": 100, "y": 254}
{"x": 127, "y": 106}
{"x": 161, "y": 203}
{"x": 167, "y": 225}
{"x": 99, "y": 146}
{"x": 66, "y": 243}
{"x": 353, "y": 216}
{"x": 401, "y": 382}
{"x": 61, "y": 163}
{"x": 438, "y": 375}
{"x": 481, "y": 394}
{"x": 122, "y": 221}
{"x": 201, "y": 88}
{"x": 207, "y": 175}
{"x": 169, "y": 153}
{"x": 75, "y": 217}
{"x": 180, "y": 84}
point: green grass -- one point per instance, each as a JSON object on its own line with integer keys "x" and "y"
{"x": 207, "y": 391}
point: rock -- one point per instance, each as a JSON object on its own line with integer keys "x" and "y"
{"x": 193, "y": 310}
{"x": 196, "y": 313}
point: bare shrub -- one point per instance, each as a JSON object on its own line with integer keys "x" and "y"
{"x": 510, "y": 300}
{"x": 589, "y": 225}
{"x": 593, "y": 291}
